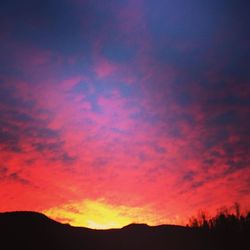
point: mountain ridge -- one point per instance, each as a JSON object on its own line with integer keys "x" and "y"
{"x": 32, "y": 230}
{"x": 41, "y": 216}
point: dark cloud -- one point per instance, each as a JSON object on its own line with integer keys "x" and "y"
{"x": 230, "y": 100}
{"x": 189, "y": 176}
{"x": 238, "y": 164}
{"x": 67, "y": 159}
{"x": 81, "y": 87}
{"x": 48, "y": 147}
{"x": 10, "y": 141}
{"x": 225, "y": 118}
{"x": 118, "y": 52}
{"x": 8, "y": 97}
{"x": 16, "y": 177}
{"x": 184, "y": 99}
{"x": 160, "y": 149}
{"x": 197, "y": 184}
{"x": 5, "y": 175}
{"x": 48, "y": 24}
{"x": 101, "y": 162}
{"x": 19, "y": 126}
{"x": 3, "y": 171}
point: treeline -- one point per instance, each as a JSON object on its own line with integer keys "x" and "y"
{"x": 228, "y": 229}
{"x": 225, "y": 219}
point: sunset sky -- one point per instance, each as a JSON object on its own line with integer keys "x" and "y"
{"x": 121, "y": 111}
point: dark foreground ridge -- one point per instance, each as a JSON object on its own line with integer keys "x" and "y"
{"x": 30, "y": 230}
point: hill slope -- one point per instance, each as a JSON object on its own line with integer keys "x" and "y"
{"x": 29, "y": 230}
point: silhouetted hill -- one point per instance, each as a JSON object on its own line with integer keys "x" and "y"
{"x": 30, "y": 230}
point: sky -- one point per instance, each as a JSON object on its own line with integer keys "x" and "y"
{"x": 124, "y": 111}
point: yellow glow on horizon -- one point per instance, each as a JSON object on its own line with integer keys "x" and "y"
{"x": 99, "y": 215}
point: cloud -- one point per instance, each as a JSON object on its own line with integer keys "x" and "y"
{"x": 124, "y": 104}
{"x": 6, "y": 176}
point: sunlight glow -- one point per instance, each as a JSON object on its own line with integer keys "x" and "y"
{"x": 99, "y": 215}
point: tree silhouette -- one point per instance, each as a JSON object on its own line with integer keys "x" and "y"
{"x": 230, "y": 230}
